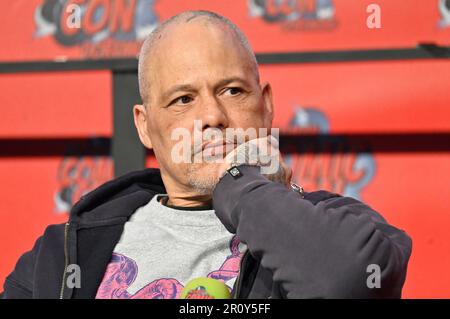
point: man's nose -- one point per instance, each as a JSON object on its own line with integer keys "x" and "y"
{"x": 213, "y": 114}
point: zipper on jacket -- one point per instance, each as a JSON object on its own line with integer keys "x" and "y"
{"x": 239, "y": 278}
{"x": 66, "y": 261}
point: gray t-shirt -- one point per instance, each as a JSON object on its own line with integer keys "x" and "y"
{"x": 162, "y": 248}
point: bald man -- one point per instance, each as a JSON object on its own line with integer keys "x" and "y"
{"x": 221, "y": 206}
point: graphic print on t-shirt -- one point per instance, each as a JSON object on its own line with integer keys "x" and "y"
{"x": 122, "y": 271}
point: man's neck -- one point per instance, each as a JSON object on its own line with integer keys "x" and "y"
{"x": 183, "y": 195}
{"x": 189, "y": 201}
{"x": 164, "y": 200}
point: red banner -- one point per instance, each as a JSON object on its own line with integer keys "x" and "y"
{"x": 56, "y": 104}
{"x": 33, "y": 30}
{"x": 363, "y": 97}
{"x": 40, "y": 191}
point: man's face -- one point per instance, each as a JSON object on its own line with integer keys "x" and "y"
{"x": 199, "y": 71}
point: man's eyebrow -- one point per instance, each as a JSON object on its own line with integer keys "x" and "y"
{"x": 189, "y": 87}
{"x": 176, "y": 88}
{"x": 232, "y": 79}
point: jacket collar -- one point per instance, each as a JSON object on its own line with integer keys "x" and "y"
{"x": 118, "y": 198}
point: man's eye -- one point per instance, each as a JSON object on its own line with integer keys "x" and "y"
{"x": 233, "y": 91}
{"x": 182, "y": 100}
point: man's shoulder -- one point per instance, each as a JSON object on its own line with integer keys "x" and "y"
{"x": 320, "y": 195}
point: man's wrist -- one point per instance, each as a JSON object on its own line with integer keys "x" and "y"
{"x": 233, "y": 169}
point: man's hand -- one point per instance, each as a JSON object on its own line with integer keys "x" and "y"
{"x": 263, "y": 152}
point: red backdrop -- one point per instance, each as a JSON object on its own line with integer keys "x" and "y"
{"x": 409, "y": 188}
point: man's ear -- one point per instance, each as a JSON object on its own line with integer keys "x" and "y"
{"x": 266, "y": 91}
{"x": 141, "y": 123}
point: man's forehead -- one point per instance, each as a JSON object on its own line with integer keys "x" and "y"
{"x": 185, "y": 54}
{"x": 195, "y": 25}
{"x": 190, "y": 37}
{"x": 200, "y": 47}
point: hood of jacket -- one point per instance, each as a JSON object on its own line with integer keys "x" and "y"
{"x": 128, "y": 191}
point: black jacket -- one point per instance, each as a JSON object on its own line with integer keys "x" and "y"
{"x": 319, "y": 246}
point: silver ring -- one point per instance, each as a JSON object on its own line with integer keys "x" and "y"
{"x": 298, "y": 189}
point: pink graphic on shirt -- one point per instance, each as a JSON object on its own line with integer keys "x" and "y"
{"x": 230, "y": 267}
{"x": 122, "y": 271}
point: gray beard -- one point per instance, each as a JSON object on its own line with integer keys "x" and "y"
{"x": 202, "y": 184}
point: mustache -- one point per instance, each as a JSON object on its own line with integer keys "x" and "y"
{"x": 200, "y": 145}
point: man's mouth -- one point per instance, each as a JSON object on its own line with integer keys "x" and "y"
{"x": 219, "y": 147}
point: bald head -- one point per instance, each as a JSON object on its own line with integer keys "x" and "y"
{"x": 222, "y": 30}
